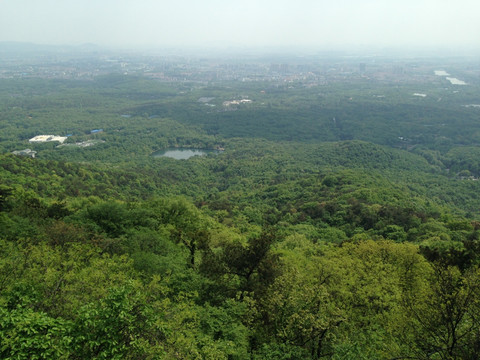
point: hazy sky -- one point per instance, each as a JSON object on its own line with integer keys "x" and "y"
{"x": 224, "y": 23}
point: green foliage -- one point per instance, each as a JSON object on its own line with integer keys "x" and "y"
{"x": 111, "y": 218}
{"x": 341, "y": 301}
{"x": 223, "y": 325}
{"x": 28, "y": 334}
{"x": 463, "y": 161}
{"x": 336, "y": 224}
{"x": 242, "y": 268}
{"x": 120, "y": 326}
{"x": 443, "y": 320}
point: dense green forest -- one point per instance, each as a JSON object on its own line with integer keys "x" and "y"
{"x": 337, "y": 220}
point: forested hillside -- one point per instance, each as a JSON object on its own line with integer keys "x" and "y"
{"x": 332, "y": 220}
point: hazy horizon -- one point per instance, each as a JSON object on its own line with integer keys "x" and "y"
{"x": 421, "y": 24}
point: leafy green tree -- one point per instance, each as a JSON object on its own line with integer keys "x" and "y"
{"x": 243, "y": 268}
{"x": 111, "y": 217}
{"x": 29, "y": 334}
{"x": 444, "y": 320}
{"x": 5, "y": 193}
{"x": 119, "y": 326}
{"x": 187, "y": 225}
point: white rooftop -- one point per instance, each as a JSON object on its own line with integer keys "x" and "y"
{"x": 45, "y": 138}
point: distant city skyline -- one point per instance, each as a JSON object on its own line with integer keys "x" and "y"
{"x": 248, "y": 23}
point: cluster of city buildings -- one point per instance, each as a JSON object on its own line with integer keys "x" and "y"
{"x": 236, "y": 102}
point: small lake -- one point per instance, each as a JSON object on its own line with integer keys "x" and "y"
{"x": 183, "y": 153}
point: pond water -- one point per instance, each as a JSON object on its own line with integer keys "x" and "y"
{"x": 183, "y": 153}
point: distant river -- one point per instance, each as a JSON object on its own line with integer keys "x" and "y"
{"x": 182, "y": 153}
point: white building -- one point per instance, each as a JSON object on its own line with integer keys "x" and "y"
{"x": 45, "y": 138}
{"x": 26, "y": 152}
